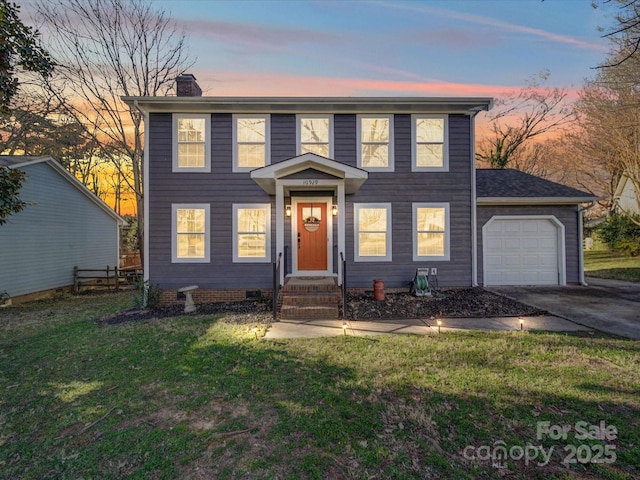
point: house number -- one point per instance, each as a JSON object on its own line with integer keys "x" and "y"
{"x": 310, "y": 182}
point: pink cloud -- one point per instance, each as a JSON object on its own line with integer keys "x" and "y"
{"x": 227, "y": 83}
{"x": 253, "y": 35}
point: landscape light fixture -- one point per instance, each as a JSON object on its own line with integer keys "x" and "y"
{"x": 521, "y": 324}
{"x": 439, "y": 325}
{"x": 344, "y": 328}
{"x": 255, "y": 332}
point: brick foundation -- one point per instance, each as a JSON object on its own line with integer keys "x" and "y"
{"x": 202, "y": 295}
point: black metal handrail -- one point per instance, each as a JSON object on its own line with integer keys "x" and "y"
{"x": 276, "y": 285}
{"x": 343, "y": 285}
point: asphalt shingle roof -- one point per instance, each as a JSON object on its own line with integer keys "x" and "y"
{"x": 509, "y": 183}
{"x": 11, "y": 160}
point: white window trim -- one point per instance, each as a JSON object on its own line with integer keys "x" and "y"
{"x": 390, "y": 166}
{"x": 264, "y": 206}
{"x": 299, "y": 117}
{"x": 447, "y": 232}
{"x": 174, "y": 232}
{"x": 267, "y": 140}
{"x": 356, "y": 231}
{"x": 445, "y": 145}
{"x": 207, "y": 143}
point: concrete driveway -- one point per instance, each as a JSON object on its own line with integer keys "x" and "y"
{"x": 610, "y": 306}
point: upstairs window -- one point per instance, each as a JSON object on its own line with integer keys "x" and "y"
{"x": 430, "y": 231}
{"x": 315, "y": 135}
{"x": 429, "y": 149}
{"x": 251, "y": 148}
{"x": 375, "y": 142}
{"x": 372, "y": 225}
{"x": 191, "y": 143}
{"x": 252, "y": 230}
{"x": 190, "y": 233}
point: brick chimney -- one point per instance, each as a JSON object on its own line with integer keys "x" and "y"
{"x": 186, "y": 86}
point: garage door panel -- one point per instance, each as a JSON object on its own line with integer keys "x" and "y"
{"x": 521, "y": 252}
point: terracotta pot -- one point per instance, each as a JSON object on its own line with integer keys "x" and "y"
{"x": 378, "y": 290}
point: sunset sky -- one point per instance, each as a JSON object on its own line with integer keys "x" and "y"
{"x": 477, "y": 48}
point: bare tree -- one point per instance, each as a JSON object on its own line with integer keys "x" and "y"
{"x": 625, "y": 32}
{"x": 106, "y": 49}
{"x": 521, "y": 119}
{"x": 608, "y": 137}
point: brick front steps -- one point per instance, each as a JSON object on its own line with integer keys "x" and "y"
{"x": 309, "y": 298}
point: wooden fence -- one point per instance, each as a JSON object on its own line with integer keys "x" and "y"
{"x": 110, "y": 277}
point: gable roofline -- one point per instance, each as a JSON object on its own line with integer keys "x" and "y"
{"x": 495, "y": 186}
{"x": 266, "y": 176}
{"x": 53, "y": 163}
{"x": 336, "y": 105}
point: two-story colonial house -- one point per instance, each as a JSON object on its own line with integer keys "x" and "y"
{"x": 387, "y": 184}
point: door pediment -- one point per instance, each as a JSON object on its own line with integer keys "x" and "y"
{"x": 267, "y": 176}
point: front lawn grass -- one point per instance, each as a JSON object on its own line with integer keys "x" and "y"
{"x": 200, "y": 397}
{"x": 607, "y": 264}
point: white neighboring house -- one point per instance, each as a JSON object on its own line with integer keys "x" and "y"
{"x": 626, "y": 197}
{"x": 64, "y": 225}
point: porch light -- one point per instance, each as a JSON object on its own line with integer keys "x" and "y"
{"x": 287, "y": 210}
{"x": 334, "y": 210}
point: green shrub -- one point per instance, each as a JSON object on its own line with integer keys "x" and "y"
{"x": 629, "y": 247}
{"x": 147, "y": 295}
{"x": 619, "y": 229}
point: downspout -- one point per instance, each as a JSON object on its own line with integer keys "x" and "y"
{"x": 583, "y": 282}
{"x": 145, "y": 197}
{"x": 474, "y": 221}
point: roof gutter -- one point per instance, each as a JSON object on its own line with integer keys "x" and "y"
{"x": 583, "y": 281}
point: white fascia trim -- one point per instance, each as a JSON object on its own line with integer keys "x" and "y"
{"x": 175, "y": 168}
{"x": 534, "y": 200}
{"x": 445, "y": 145}
{"x": 562, "y": 269}
{"x": 261, "y": 206}
{"x": 391, "y": 144}
{"x": 299, "y": 117}
{"x": 234, "y": 141}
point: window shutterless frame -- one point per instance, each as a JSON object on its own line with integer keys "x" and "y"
{"x": 199, "y": 233}
{"x": 312, "y": 140}
{"x": 373, "y": 138}
{"x": 421, "y": 232}
{"x": 261, "y": 140}
{"x": 249, "y": 234}
{"x": 371, "y": 230}
{"x": 191, "y": 145}
{"x": 429, "y": 143}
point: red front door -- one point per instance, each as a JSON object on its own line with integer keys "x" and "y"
{"x": 312, "y": 236}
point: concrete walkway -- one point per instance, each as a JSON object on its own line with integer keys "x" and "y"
{"x": 611, "y": 306}
{"x": 331, "y": 328}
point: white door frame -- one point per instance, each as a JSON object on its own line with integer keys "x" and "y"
{"x": 294, "y": 236}
{"x": 562, "y": 272}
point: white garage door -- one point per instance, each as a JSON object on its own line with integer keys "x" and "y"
{"x": 520, "y": 252}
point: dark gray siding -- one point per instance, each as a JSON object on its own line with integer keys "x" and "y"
{"x": 59, "y": 229}
{"x": 402, "y": 188}
{"x": 221, "y": 188}
{"x": 567, "y": 215}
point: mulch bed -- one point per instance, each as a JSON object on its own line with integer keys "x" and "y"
{"x": 461, "y": 302}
